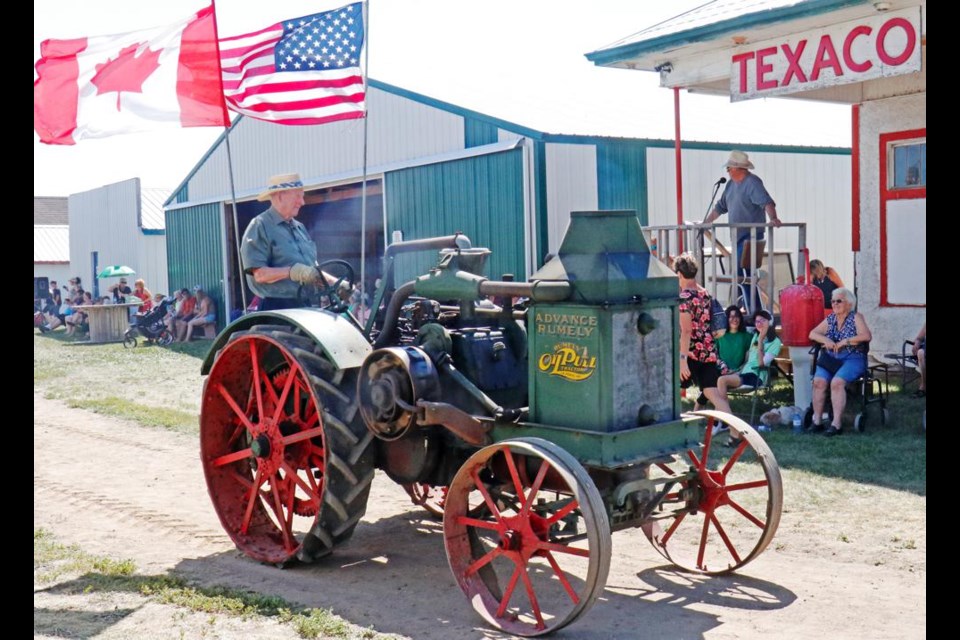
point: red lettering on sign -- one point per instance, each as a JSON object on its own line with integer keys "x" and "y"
{"x": 763, "y": 69}
{"x": 742, "y": 59}
{"x": 826, "y": 58}
{"x": 793, "y": 60}
{"x": 852, "y": 64}
{"x": 886, "y": 58}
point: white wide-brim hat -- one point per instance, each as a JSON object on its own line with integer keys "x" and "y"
{"x": 284, "y": 182}
{"x": 738, "y": 160}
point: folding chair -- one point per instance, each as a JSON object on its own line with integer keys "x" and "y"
{"x": 866, "y": 390}
{"x": 907, "y": 362}
{"x": 755, "y": 390}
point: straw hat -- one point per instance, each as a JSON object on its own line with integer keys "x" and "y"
{"x": 284, "y": 182}
{"x": 738, "y": 160}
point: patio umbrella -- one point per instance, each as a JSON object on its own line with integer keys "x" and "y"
{"x": 115, "y": 271}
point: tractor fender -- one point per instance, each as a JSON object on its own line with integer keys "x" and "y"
{"x": 339, "y": 338}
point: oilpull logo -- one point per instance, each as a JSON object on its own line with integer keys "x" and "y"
{"x": 567, "y": 362}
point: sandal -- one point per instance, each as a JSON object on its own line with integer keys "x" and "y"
{"x": 919, "y": 393}
{"x": 832, "y": 431}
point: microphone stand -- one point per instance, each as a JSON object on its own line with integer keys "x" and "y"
{"x": 699, "y": 239}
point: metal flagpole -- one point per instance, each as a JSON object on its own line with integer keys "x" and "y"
{"x": 363, "y": 189}
{"x": 236, "y": 226}
{"x": 233, "y": 191}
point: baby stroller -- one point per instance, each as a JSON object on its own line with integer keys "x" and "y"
{"x": 150, "y": 325}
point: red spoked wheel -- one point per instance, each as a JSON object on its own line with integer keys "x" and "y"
{"x": 287, "y": 466}
{"x": 725, "y": 503}
{"x": 537, "y": 555}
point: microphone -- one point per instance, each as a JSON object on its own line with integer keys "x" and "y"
{"x": 720, "y": 182}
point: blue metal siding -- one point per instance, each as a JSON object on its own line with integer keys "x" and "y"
{"x": 622, "y": 177}
{"x": 195, "y": 252}
{"x": 481, "y": 197}
{"x": 477, "y": 133}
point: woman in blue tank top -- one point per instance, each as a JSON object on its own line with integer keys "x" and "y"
{"x": 845, "y": 336}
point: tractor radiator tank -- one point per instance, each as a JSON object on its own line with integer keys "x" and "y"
{"x": 606, "y": 358}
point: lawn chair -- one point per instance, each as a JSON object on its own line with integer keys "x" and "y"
{"x": 907, "y": 363}
{"x": 866, "y": 390}
{"x": 755, "y": 391}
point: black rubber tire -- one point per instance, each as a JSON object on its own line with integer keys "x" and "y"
{"x": 348, "y": 452}
{"x": 129, "y": 342}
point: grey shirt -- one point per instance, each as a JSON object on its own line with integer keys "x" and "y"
{"x": 745, "y": 201}
{"x": 271, "y": 241}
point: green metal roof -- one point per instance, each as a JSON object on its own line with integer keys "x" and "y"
{"x": 711, "y": 21}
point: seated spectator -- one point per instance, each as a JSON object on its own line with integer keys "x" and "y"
{"x": 844, "y": 335}
{"x": 764, "y": 347}
{"x": 185, "y": 311}
{"x": 732, "y": 345}
{"x": 826, "y": 279}
{"x": 140, "y": 291}
{"x": 120, "y": 291}
{"x": 206, "y": 314}
{"x": 78, "y": 318}
{"x": 919, "y": 349}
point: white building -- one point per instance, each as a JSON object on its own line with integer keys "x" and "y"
{"x": 868, "y": 54}
{"x": 119, "y": 224}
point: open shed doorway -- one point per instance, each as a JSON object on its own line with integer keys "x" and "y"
{"x": 332, "y": 216}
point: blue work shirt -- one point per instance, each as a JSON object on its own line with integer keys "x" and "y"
{"x": 271, "y": 241}
{"x": 745, "y": 202}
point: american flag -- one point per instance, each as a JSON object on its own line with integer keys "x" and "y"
{"x": 301, "y": 71}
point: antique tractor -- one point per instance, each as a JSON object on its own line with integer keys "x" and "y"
{"x": 535, "y": 424}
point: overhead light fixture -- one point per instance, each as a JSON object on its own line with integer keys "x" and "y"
{"x": 664, "y": 67}
{"x": 882, "y": 6}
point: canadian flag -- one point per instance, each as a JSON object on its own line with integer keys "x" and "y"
{"x": 107, "y": 85}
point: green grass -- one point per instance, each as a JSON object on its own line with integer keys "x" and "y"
{"x": 54, "y": 562}
{"x": 893, "y": 455}
{"x": 173, "y": 419}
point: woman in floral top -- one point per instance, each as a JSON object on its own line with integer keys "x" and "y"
{"x": 699, "y": 362}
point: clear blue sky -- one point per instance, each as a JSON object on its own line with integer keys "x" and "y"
{"x": 520, "y": 60}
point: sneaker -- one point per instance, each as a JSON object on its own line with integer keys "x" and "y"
{"x": 720, "y": 428}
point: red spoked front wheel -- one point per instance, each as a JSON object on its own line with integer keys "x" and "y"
{"x": 725, "y": 504}
{"x": 535, "y": 557}
{"x": 287, "y": 467}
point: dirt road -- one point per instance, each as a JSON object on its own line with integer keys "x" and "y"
{"x": 126, "y": 491}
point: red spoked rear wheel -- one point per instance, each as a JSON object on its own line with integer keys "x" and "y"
{"x": 725, "y": 504}
{"x": 536, "y": 556}
{"x": 287, "y": 471}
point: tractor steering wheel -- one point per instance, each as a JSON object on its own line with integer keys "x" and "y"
{"x": 342, "y": 273}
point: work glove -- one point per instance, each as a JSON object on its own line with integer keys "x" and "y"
{"x": 304, "y": 274}
{"x": 344, "y": 291}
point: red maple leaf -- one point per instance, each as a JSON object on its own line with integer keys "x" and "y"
{"x": 127, "y": 72}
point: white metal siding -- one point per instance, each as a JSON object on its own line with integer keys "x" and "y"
{"x": 890, "y": 325}
{"x": 807, "y": 187}
{"x": 59, "y": 272}
{"x": 399, "y": 129}
{"x": 571, "y": 186}
{"x": 105, "y": 220}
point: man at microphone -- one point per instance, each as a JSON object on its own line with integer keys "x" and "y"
{"x": 746, "y": 200}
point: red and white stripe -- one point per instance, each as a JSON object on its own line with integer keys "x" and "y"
{"x": 252, "y": 87}
{"x": 76, "y": 94}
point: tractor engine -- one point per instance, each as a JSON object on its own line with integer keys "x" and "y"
{"x": 456, "y": 356}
